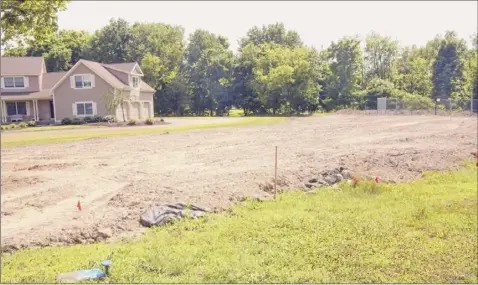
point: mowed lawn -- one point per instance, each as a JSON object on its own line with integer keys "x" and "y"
{"x": 419, "y": 232}
{"x": 57, "y": 134}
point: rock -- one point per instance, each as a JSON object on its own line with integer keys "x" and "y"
{"x": 105, "y": 233}
{"x": 347, "y": 174}
{"x": 313, "y": 180}
{"x": 161, "y": 215}
{"x": 339, "y": 177}
{"x": 256, "y": 197}
{"x": 335, "y": 171}
{"x": 302, "y": 185}
{"x": 310, "y": 185}
{"x": 330, "y": 179}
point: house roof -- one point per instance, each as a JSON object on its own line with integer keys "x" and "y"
{"x": 101, "y": 71}
{"x": 51, "y": 78}
{"x": 126, "y": 67}
{"x": 21, "y": 65}
{"x": 30, "y": 65}
{"x": 145, "y": 87}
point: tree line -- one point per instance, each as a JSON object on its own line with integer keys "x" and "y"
{"x": 273, "y": 71}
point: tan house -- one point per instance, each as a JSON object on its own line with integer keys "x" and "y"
{"x": 28, "y": 92}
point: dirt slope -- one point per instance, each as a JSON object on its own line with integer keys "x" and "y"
{"x": 116, "y": 179}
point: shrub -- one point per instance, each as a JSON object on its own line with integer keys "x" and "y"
{"x": 99, "y": 119}
{"x": 109, "y": 119}
{"x": 13, "y": 126}
{"x": 23, "y": 125}
{"x": 3, "y": 127}
{"x": 161, "y": 120}
{"x": 131, "y": 122}
{"x": 66, "y": 121}
{"x": 77, "y": 121}
{"x": 89, "y": 120}
{"x": 32, "y": 123}
{"x": 149, "y": 121}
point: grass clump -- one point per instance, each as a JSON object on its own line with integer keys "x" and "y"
{"x": 149, "y": 121}
{"x": 131, "y": 122}
{"x": 23, "y": 125}
{"x": 35, "y": 138}
{"x": 419, "y": 232}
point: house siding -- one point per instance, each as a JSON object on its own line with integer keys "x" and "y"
{"x": 146, "y": 96}
{"x": 44, "y": 110}
{"x": 33, "y": 83}
{"x": 65, "y": 96}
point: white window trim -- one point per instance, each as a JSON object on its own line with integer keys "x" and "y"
{"x": 14, "y": 87}
{"x": 82, "y": 81}
{"x": 132, "y": 81}
{"x": 92, "y": 108}
{"x": 16, "y": 108}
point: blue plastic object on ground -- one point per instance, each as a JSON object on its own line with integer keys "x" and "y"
{"x": 86, "y": 274}
{"x": 82, "y": 275}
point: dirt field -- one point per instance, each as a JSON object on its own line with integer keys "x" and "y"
{"x": 116, "y": 179}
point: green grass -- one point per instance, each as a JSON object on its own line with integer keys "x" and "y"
{"x": 52, "y": 128}
{"x": 34, "y": 138}
{"x": 419, "y": 232}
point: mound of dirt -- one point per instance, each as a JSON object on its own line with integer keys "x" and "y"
{"x": 119, "y": 178}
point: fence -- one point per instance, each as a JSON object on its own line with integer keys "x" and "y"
{"x": 425, "y": 104}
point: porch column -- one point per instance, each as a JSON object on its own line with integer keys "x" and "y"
{"x": 4, "y": 111}
{"x": 37, "y": 111}
{"x": 1, "y": 110}
{"x": 34, "y": 110}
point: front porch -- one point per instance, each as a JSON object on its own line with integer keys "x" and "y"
{"x": 23, "y": 110}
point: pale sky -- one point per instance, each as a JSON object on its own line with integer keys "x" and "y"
{"x": 318, "y": 23}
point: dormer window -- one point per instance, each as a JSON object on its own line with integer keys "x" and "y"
{"x": 14, "y": 82}
{"x": 135, "y": 81}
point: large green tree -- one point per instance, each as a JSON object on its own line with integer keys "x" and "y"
{"x": 29, "y": 19}
{"x": 250, "y": 52}
{"x": 209, "y": 65}
{"x": 112, "y": 43}
{"x": 380, "y": 53}
{"x": 345, "y": 59}
{"x": 62, "y": 50}
{"x": 448, "y": 80}
{"x": 273, "y": 33}
{"x": 411, "y": 72}
{"x": 286, "y": 78}
{"x": 160, "y": 45}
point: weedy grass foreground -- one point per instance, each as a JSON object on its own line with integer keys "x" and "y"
{"x": 419, "y": 232}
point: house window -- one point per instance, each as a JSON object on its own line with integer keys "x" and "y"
{"x": 82, "y": 81}
{"x": 84, "y": 109}
{"x": 14, "y": 82}
{"x": 16, "y": 108}
{"x": 135, "y": 81}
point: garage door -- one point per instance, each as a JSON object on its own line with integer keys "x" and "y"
{"x": 145, "y": 112}
{"x": 134, "y": 111}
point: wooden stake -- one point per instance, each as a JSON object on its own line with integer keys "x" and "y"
{"x": 275, "y": 176}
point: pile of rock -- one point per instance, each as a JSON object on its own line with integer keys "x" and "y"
{"x": 328, "y": 178}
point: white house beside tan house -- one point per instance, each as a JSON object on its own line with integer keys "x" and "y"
{"x": 28, "y": 92}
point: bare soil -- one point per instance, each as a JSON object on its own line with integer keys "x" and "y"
{"x": 116, "y": 179}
